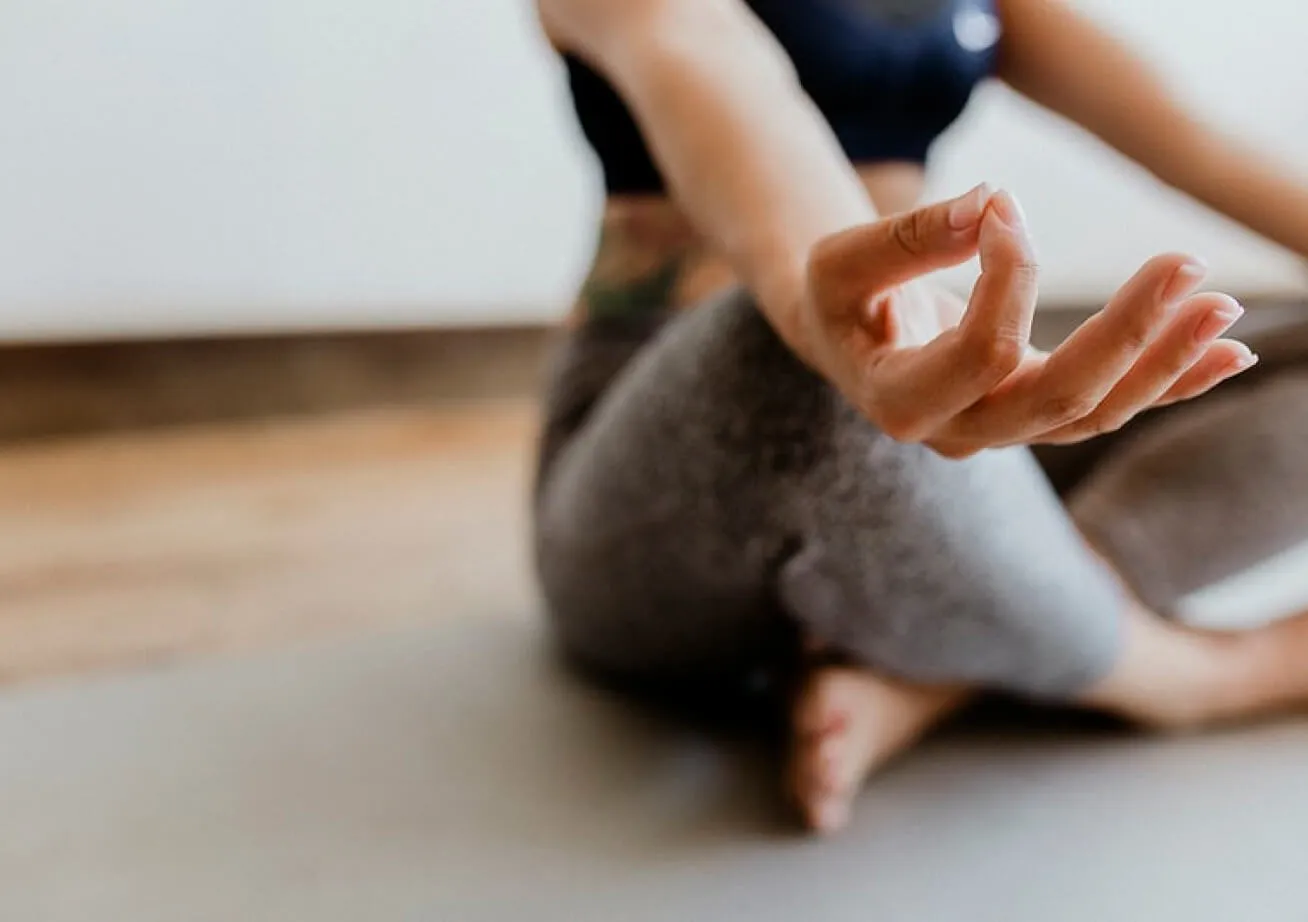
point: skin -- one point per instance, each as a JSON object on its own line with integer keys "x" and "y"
{"x": 730, "y": 129}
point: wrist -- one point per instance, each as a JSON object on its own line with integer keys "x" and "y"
{"x": 782, "y": 295}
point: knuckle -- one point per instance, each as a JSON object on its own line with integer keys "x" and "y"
{"x": 910, "y": 232}
{"x": 1136, "y": 336}
{"x": 1005, "y": 352}
{"x": 1066, "y": 408}
{"x": 900, "y": 426}
{"x": 1018, "y": 263}
{"x": 993, "y": 352}
{"x": 1026, "y": 271}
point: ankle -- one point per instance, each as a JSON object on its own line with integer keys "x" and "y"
{"x": 1242, "y": 675}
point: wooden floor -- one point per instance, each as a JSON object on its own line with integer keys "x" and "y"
{"x": 162, "y": 500}
{"x": 129, "y": 549}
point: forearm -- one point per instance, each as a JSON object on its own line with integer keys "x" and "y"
{"x": 1233, "y": 179}
{"x": 1063, "y": 60}
{"x": 744, "y": 151}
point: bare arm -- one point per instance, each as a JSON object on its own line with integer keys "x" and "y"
{"x": 744, "y": 151}
{"x": 1062, "y": 60}
{"x": 760, "y": 173}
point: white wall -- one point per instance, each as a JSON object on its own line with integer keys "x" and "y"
{"x": 1097, "y": 217}
{"x": 183, "y": 165}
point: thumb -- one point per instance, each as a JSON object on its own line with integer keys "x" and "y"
{"x": 849, "y": 267}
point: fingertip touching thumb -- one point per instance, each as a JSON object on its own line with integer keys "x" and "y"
{"x": 863, "y": 261}
{"x": 1003, "y": 230}
{"x": 965, "y": 211}
{"x": 933, "y": 237}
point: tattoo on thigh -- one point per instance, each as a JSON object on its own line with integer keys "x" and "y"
{"x": 650, "y": 294}
{"x": 626, "y": 282}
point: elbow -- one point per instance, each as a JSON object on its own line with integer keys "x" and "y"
{"x": 600, "y": 28}
{"x": 639, "y": 36}
{"x": 720, "y": 33}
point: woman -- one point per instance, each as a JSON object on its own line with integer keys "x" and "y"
{"x": 793, "y": 484}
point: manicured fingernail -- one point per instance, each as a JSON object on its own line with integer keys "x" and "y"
{"x": 1245, "y": 360}
{"x": 1007, "y": 209}
{"x": 967, "y": 209}
{"x": 1218, "y": 322}
{"x": 1185, "y": 279}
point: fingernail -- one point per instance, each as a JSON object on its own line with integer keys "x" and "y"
{"x": 1008, "y": 209}
{"x": 1185, "y": 279}
{"x": 967, "y": 209}
{"x": 1218, "y": 322}
{"x": 1246, "y": 360}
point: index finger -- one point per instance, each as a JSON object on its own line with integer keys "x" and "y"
{"x": 959, "y": 367}
{"x": 851, "y": 267}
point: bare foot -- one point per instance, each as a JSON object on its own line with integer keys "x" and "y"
{"x": 846, "y": 723}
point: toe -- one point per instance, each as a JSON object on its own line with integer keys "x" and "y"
{"x": 830, "y": 814}
{"x": 817, "y": 715}
{"x": 828, "y": 762}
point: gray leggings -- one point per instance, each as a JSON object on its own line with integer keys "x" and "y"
{"x": 704, "y": 501}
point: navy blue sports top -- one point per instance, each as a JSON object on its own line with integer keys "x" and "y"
{"x": 889, "y": 76}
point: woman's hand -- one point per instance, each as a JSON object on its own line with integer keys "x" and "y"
{"x": 925, "y": 367}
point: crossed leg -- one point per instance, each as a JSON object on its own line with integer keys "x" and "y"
{"x": 848, "y": 722}
{"x": 1175, "y": 507}
{"x": 945, "y": 547}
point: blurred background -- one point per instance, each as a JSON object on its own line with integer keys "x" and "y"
{"x": 276, "y": 282}
{"x": 174, "y": 166}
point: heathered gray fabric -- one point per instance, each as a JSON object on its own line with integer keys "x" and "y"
{"x": 703, "y": 500}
